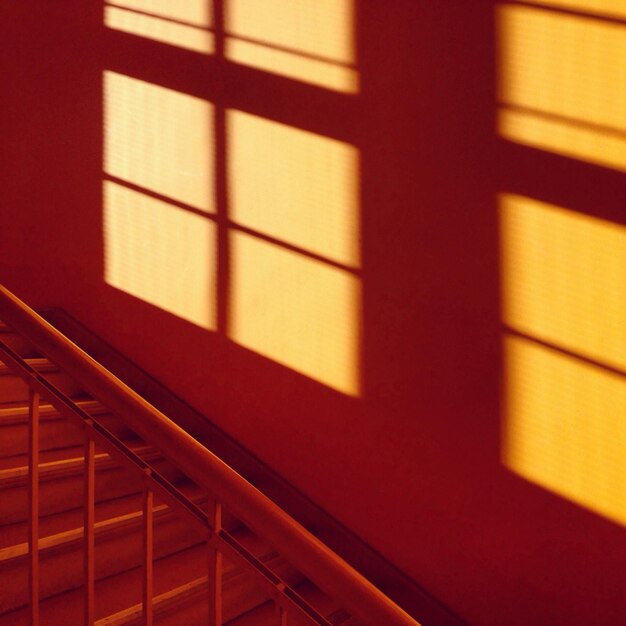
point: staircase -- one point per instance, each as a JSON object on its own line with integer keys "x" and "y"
{"x": 174, "y": 536}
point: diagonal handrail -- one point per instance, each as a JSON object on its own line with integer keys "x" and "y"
{"x": 314, "y": 559}
{"x": 218, "y": 538}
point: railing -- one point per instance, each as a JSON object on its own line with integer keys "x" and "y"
{"x": 225, "y": 486}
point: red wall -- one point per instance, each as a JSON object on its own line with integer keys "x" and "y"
{"x": 413, "y": 465}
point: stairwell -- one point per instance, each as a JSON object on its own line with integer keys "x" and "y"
{"x": 179, "y": 549}
{"x": 150, "y": 563}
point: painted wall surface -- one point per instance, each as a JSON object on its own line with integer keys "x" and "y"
{"x": 379, "y": 243}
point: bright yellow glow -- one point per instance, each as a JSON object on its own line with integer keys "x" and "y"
{"x": 290, "y": 65}
{"x": 562, "y": 278}
{"x": 297, "y": 311}
{"x": 161, "y": 254}
{"x": 569, "y": 66}
{"x": 159, "y": 139}
{"x": 193, "y": 12}
{"x": 608, "y": 8}
{"x": 572, "y": 69}
{"x": 295, "y": 186}
{"x": 321, "y": 28}
{"x": 317, "y": 37}
{"x": 565, "y": 428}
{"x": 563, "y": 137}
{"x": 158, "y": 29}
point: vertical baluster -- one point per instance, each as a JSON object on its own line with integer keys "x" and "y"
{"x": 148, "y": 546}
{"x": 281, "y": 613}
{"x": 214, "y": 514}
{"x": 33, "y": 504}
{"x": 88, "y": 525}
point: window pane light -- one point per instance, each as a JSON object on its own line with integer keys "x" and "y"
{"x": 562, "y": 273}
{"x": 192, "y": 12}
{"x": 565, "y": 428}
{"x": 159, "y": 29}
{"x": 565, "y": 362}
{"x": 309, "y": 40}
{"x": 294, "y": 186}
{"x": 299, "y": 190}
{"x": 159, "y": 139}
{"x": 563, "y": 84}
{"x": 295, "y": 310}
{"x": 160, "y": 253}
{"x": 608, "y": 8}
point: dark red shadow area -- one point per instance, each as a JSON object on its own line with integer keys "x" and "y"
{"x": 412, "y": 466}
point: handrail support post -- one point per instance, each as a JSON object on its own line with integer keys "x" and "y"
{"x": 148, "y": 551}
{"x": 33, "y": 504}
{"x": 88, "y": 525}
{"x": 214, "y": 558}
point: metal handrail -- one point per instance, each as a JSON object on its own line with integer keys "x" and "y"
{"x": 218, "y": 539}
{"x": 314, "y": 559}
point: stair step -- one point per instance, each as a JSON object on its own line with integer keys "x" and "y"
{"x": 177, "y": 579}
{"x": 186, "y": 604}
{"x": 118, "y": 548}
{"x": 17, "y": 342}
{"x": 61, "y": 485}
{"x": 41, "y": 364}
{"x": 123, "y": 519}
{"x": 13, "y": 388}
{"x": 61, "y": 462}
{"x": 17, "y": 533}
{"x": 55, "y": 431}
{"x": 17, "y": 412}
{"x": 265, "y": 614}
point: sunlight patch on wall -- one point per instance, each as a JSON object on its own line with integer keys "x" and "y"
{"x": 159, "y": 139}
{"x": 564, "y": 65}
{"x": 608, "y": 8}
{"x": 564, "y": 425}
{"x": 162, "y": 254}
{"x": 309, "y": 40}
{"x": 565, "y": 428}
{"x": 563, "y": 84}
{"x": 159, "y": 29}
{"x": 567, "y": 138}
{"x": 296, "y": 311}
{"x": 562, "y": 278}
{"x": 318, "y": 27}
{"x": 294, "y": 186}
{"x": 192, "y": 12}
{"x": 290, "y": 65}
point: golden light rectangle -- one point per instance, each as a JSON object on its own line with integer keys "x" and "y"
{"x": 161, "y": 30}
{"x": 159, "y": 139}
{"x": 320, "y": 28}
{"x": 290, "y": 65}
{"x": 193, "y": 12}
{"x": 310, "y": 40}
{"x": 597, "y": 146}
{"x": 161, "y": 254}
{"x": 607, "y": 8}
{"x": 295, "y": 186}
{"x": 296, "y": 311}
{"x": 564, "y": 65}
{"x": 564, "y": 427}
{"x": 562, "y": 274}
